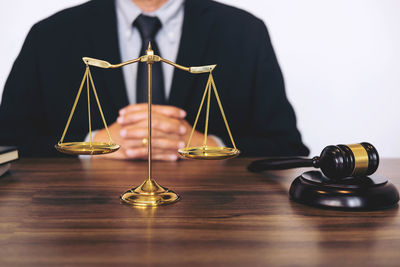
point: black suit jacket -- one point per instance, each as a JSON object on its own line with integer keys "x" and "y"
{"x": 44, "y": 80}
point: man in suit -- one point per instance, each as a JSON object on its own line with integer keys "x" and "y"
{"x": 42, "y": 84}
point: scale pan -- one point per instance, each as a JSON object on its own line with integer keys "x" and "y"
{"x": 86, "y": 148}
{"x": 209, "y": 152}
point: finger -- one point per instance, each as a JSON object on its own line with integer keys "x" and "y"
{"x": 136, "y": 153}
{"x": 133, "y": 108}
{"x": 134, "y": 132}
{"x": 132, "y": 117}
{"x": 167, "y": 144}
{"x": 169, "y": 111}
{"x": 163, "y": 143}
{"x": 164, "y": 124}
{"x": 133, "y": 143}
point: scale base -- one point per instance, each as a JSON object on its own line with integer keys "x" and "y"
{"x": 209, "y": 152}
{"x": 361, "y": 193}
{"x": 149, "y": 194}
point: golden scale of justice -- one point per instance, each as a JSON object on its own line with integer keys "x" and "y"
{"x": 149, "y": 193}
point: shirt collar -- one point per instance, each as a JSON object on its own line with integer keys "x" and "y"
{"x": 166, "y": 13}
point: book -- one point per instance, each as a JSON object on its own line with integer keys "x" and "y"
{"x": 7, "y": 155}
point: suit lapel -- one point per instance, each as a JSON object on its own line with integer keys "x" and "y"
{"x": 104, "y": 38}
{"x": 197, "y": 24}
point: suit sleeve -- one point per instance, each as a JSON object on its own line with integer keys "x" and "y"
{"x": 22, "y": 117}
{"x": 273, "y": 121}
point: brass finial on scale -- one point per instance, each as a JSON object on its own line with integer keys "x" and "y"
{"x": 149, "y": 193}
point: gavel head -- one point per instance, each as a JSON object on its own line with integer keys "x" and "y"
{"x": 341, "y": 161}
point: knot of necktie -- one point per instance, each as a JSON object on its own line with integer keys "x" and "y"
{"x": 147, "y": 26}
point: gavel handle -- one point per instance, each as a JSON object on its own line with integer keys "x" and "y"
{"x": 280, "y": 163}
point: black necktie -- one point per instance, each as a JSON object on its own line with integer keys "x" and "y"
{"x": 148, "y": 28}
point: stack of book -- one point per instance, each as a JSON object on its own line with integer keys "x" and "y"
{"x": 7, "y": 155}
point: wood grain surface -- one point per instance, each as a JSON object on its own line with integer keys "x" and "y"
{"x": 66, "y": 212}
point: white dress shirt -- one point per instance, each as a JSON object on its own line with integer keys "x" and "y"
{"x": 130, "y": 42}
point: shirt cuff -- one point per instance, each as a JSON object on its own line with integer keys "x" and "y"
{"x": 218, "y": 140}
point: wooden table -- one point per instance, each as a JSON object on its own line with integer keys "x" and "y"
{"x": 67, "y": 212}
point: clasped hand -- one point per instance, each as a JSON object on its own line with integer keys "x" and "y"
{"x": 170, "y": 131}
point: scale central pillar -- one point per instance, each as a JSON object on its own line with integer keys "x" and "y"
{"x": 149, "y": 193}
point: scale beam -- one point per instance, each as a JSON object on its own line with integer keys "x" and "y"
{"x": 105, "y": 64}
{"x": 147, "y": 59}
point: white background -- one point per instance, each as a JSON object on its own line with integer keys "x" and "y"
{"x": 340, "y": 59}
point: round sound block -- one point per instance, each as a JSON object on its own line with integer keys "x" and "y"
{"x": 352, "y": 193}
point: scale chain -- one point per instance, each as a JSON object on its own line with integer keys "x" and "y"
{"x": 198, "y": 112}
{"x": 222, "y": 112}
{"x": 101, "y": 111}
{"x": 207, "y": 114}
{"x": 88, "y": 99}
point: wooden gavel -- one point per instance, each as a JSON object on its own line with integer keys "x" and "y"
{"x": 336, "y": 162}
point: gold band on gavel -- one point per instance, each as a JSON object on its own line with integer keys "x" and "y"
{"x": 360, "y": 159}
